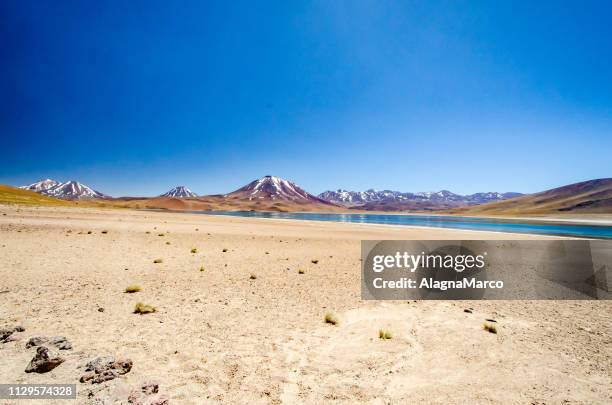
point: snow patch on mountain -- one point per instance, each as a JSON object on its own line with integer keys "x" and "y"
{"x": 179, "y": 192}
{"x": 69, "y": 190}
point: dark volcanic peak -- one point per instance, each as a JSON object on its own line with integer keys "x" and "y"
{"x": 274, "y": 188}
{"x": 179, "y": 192}
{"x": 354, "y": 198}
{"x": 70, "y": 190}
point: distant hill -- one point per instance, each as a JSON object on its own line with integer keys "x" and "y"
{"x": 592, "y": 196}
{"x": 389, "y": 200}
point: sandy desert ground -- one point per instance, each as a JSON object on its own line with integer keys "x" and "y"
{"x": 220, "y": 336}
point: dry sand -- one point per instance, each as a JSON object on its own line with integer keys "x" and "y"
{"x": 220, "y": 336}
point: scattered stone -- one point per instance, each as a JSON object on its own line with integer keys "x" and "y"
{"x": 100, "y": 309}
{"x": 467, "y": 310}
{"x": 148, "y": 394}
{"x": 43, "y": 361}
{"x": 491, "y": 320}
{"x": 105, "y": 368}
{"x": 60, "y": 342}
{"x": 315, "y": 261}
{"x": 5, "y": 334}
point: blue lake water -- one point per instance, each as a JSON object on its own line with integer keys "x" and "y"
{"x": 435, "y": 221}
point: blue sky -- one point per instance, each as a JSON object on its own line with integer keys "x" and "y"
{"x": 136, "y": 97}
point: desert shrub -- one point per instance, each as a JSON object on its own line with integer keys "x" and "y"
{"x": 202, "y": 268}
{"x": 331, "y": 318}
{"x": 252, "y": 276}
{"x": 142, "y": 309}
{"x": 314, "y": 261}
{"x": 301, "y": 271}
{"x": 105, "y": 231}
{"x": 194, "y": 250}
{"x": 384, "y": 334}
{"x": 156, "y": 261}
{"x": 132, "y": 288}
{"x": 489, "y": 327}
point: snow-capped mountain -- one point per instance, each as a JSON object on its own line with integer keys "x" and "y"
{"x": 274, "y": 188}
{"x": 42, "y": 185}
{"x": 69, "y": 190}
{"x": 179, "y": 192}
{"x": 353, "y": 198}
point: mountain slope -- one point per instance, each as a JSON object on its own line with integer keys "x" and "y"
{"x": 15, "y": 195}
{"x": 275, "y": 189}
{"x": 70, "y": 190}
{"x": 592, "y": 196}
{"x": 42, "y": 185}
{"x": 179, "y": 192}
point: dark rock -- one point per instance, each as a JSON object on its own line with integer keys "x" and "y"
{"x": 100, "y": 309}
{"x": 59, "y": 342}
{"x": 6, "y": 333}
{"x": 105, "y": 368}
{"x": 469, "y": 311}
{"x": 43, "y": 361}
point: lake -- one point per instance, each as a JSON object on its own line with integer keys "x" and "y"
{"x": 438, "y": 221}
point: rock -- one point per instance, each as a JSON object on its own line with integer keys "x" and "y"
{"x": 469, "y": 311}
{"x": 6, "y": 333}
{"x": 35, "y": 341}
{"x": 15, "y": 337}
{"x": 43, "y": 361}
{"x": 148, "y": 394}
{"x": 100, "y": 309}
{"x": 59, "y": 342}
{"x": 105, "y": 368}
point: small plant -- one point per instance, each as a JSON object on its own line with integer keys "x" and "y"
{"x": 384, "y": 334}
{"x": 105, "y": 231}
{"x": 314, "y": 261}
{"x": 161, "y": 234}
{"x": 224, "y": 250}
{"x": 194, "y": 250}
{"x": 156, "y": 261}
{"x": 301, "y": 271}
{"x": 167, "y": 242}
{"x": 331, "y": 318}
{"x": 202, "y": 268}
{"x": 148, "y": 232}
{"x": 142, "y": 309}
{"x": 132, "y": 288}
{"x": 489, "y": 327}
{"x": 89, "y": 232}
{"x": 252, "y": 276}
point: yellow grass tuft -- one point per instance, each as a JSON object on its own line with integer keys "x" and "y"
{"x": 489, "y": 327}
{"x": 156, "y": 261}
{"x": 142, "y": 309}
{"x": 132, "y": 288}
{"x": 252, "y": 276}
{"x": 202, "y": 268}
{"x": 384, "y": 334}
{"x": 301, "y": 271}
{"x": 331, "y": 318}
{"x": 194, "y": 250}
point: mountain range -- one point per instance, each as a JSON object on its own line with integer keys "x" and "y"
{"x": 271, "y": 193}
{"x": 388, "y": 200}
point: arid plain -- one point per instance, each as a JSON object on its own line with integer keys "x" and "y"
{"x": 240, "y": 318}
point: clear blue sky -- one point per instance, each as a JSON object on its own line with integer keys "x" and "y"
{"x": 136, "y": 97}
